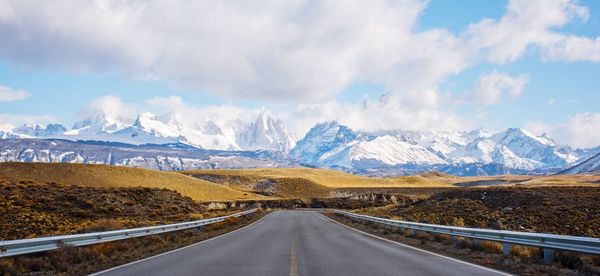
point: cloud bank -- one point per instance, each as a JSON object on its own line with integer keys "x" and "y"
{"x": 301, "y": 53}
{"x": 8, "y": 94}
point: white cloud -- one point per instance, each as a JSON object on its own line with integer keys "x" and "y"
{"x": 286, "y": 50}
{"x": 197, "y": 116}
{"x": 294, "y": 51}
{"x": 112, "y": 108}
{"x": 492, "y": 87}
{"x": 581, "y": 130}
{"x": 5, "y": 11}
{"x": 387, "y": 113}
{"x": 8, "y": 94}
{"x": 529, "y": 25}
{"x": 573, "y": 48}
{"x": 18, "y": 120}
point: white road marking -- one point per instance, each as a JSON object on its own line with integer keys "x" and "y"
{"x": 415, "y": 248}
{"x": 178, "y": 249}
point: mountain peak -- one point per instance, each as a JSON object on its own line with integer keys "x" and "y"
{"x": 266, "y": 133}
{"x": 100, "y": 122}
{"x": 322, "y": 139}
{"x": 327, "y": 124}
{"x": 143, "y": 118}
{"x": 39, "y": 130}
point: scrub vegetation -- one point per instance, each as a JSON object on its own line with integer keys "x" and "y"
{"x": 90, "y": 175}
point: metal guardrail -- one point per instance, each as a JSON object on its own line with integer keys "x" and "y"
{"x": 548, "y": 242}
{"x": 24, "y": 246}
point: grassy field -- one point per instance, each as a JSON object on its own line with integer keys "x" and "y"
{"x": 305, "y": 182}
{"x": 327, "y": 178}
{"x": 527, "y": 180}
{"x": 260, "y": 184}
{"x": 87, "y": 175}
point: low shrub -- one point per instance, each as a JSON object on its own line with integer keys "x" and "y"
{"x": 569, "y": 260}
{"x": 491, "y": 247}
{"x": 524, "y": 251}
{"x": 461, "y": 244}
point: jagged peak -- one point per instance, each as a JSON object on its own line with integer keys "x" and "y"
{"x": 6, "y": 127}
{"x": 327, "y": 125}
{"x": 513, "y": 133}
{"x": 143, "y": 118}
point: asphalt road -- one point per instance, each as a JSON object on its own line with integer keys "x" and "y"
{"x": 298, "y": 243}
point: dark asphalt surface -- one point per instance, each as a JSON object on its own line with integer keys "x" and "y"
{"x": 298, "y": 243}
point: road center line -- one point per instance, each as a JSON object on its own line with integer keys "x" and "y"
{"x": 293, "y": 262}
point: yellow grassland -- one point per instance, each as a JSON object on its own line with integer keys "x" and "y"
{"x": 115, "y": 176}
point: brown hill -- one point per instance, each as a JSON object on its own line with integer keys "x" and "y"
{"x": 88, "y": 175}
{"x": 304, "y": 182}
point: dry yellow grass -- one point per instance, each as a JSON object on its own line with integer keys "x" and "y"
{"x": 327, "y": 178}
{"x": 111, "y": 176}
{"x": 564, "y": 180}
{"x": 533, "y": 180}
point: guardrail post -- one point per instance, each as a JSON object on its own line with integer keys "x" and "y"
{"x": 476, "y": 242}
{"x": 412, "y": 231}
{"x": 548, "y": 255}
{"x": 506, "y": 248}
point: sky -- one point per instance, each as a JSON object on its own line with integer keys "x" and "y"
{"x": 372, "y": 65}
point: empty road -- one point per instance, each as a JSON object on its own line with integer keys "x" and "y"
{"x": 298, "y": 243}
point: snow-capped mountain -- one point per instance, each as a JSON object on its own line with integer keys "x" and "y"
{"x": 99, "y": 123}
{"x": 323, "y": 141}
{"x": 264, "y": 133}
{"x": 165, "y": 157}
{"x": 514, "y": 150}
{"x": 333, "y": 145}
{"x": 30, "y": 131}
{"x": 328, "y": 144}
{"x": 589, "y": 166}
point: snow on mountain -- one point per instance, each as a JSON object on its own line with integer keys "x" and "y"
{"x": 147, "y": 129}
{"x": 328, "y": 144}
{"x": 31, "y": 131}
{"x": 333, "y": 145}
{"x": 380, "y": 152}
{"x": 485, "y": 151}
{"x": 589, "y": 166}
{"x": 6, "y": 131}
{"x": 443, "y": 143}
{"x": 100, "y": 123}
{"x": 158, "y": 157}
{"x": 38, "y": 130}
{"x": 537, "y": 148}
{"x": 322, "y": 141}
{"x": 266, "y": 133}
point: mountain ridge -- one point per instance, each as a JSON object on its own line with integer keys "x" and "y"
{"x": 327, "y": 145}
